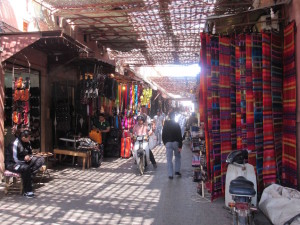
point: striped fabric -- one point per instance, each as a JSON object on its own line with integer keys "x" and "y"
{"x": 209, "y": 113}
{"x": 249, "y": 97}
{"x": 216, "y": 144}
{"x": 233, "y": 93}
{"x": 203, "y": 95}
{"x": 225, "y": 107}
{"x": 242, "y": 43}
{"x": 238, "y": 97}
{"x": 289, "y": 163}
{"x": 258, "y": 105}
{"x": 269, "y": 163}
{"x": 276, "y": 88}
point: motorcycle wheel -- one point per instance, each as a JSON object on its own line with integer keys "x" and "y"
{"x": 243, "y": 220}
{"x": 235, "y": 218}
{"x": 142, "y": 165}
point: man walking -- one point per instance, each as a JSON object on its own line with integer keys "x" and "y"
{"x": 159, "y": 121}
{"x": 171, "y": 136}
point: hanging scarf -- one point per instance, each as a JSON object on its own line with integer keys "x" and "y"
{"x": 125, "y": 97}
{"x": 130, "y": 96}
{"x": 136, "y": 95}
{"x": 120, "y": 96}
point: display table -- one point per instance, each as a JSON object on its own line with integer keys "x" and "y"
{"x": 86, "y": 156}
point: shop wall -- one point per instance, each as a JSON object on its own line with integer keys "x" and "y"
{"x": 37, "y": 61}
{"x": 293, "y": 14}
{"x": 1, "y": 120}
{"x": 25, "y": 11}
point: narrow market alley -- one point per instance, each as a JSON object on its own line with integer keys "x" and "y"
{"x": 114, "y": 193}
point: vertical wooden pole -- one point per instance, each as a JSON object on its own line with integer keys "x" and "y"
{"x": 1, "y": 117}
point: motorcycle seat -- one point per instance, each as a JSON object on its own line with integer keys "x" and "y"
{"x": 241, "y": 181}
{"x": 241, "y": 187}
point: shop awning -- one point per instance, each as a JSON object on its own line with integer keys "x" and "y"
{"x": 53, "y": 43}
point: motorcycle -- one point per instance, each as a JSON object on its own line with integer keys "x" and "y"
{"x": 241, "y": 187}
{"x": 141, "y": 154}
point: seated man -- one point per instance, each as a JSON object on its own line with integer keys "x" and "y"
{"x": 19, "y": 159}
{"x": 142, "y": 129}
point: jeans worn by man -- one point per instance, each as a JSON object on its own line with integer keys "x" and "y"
{"x": 172, "y": 138}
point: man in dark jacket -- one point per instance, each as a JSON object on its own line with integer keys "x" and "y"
{"x": 19, "y": 159}
{"x": 171, "y": 136}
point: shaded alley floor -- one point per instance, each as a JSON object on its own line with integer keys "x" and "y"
{"x": 116, "y": 194}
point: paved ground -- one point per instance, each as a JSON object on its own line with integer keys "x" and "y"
{"x": 115, "y": 194}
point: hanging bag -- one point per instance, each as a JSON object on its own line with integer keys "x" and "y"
{"x": 96, "y": 136}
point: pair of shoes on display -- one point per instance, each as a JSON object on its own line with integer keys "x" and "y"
{"x": 178, "y": 174}
{"x": 171, "y": 177}
{"x": 29, "y": 194}
{"x": 154, "y": 165}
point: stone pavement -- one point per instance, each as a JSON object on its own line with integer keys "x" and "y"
{"x": 115, "y": 194}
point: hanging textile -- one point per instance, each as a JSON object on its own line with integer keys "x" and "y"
{"x": 136, "y": 96}
{"x": 225, "y": 110}
{"x": 249, "y": 102}
{"x": 216, "y": 145}
{"x": 208, "y": 131}
{"x": 276, "y": 89}
{"x": 258, "y": 105}
{"x": 289, "y": 163}
{"x": 269, "y": 163}
{"x": 243, "y": 90}
{"x": 238, "y": 96}
{"x": 233, "y": 93}
{"x": 203, "y": 90}
{"x": 131, "y": 96}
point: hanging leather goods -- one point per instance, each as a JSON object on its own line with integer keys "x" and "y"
{"x": 26, "y": 107}
{"x": 24, "y": 95}
{"x": 15, "y": 117}
{"x": 96, "y": 136}
{"x": 20, "y": 83}
{"x": 26, "y": 119}
{"x": 17, "y": 95}
{"x": 19, "y": 118}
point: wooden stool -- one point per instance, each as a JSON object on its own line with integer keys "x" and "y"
{"x": 15, "y": 185}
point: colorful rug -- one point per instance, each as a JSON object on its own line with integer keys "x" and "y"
{"x": 249, "y": 96}
{"x": 203, "y": 95}
{"x": 238, "y": 97}
{"x": 276, "y": 89}
{"x": 242, "y": 44}
{"x": 216, "y": 144}
{"x": 225, "y": 109}
{"x": 258, "y": 105}
{"x": 269, "y": 163}
{"x": 233, "y": 93}
{"x": 289, "y": 163}
{"x": 209, "y": 148}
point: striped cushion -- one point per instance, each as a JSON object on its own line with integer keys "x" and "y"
{"x": 8, "y": 173}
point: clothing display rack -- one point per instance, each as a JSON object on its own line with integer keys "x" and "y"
{"x": 197, "y": 144}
